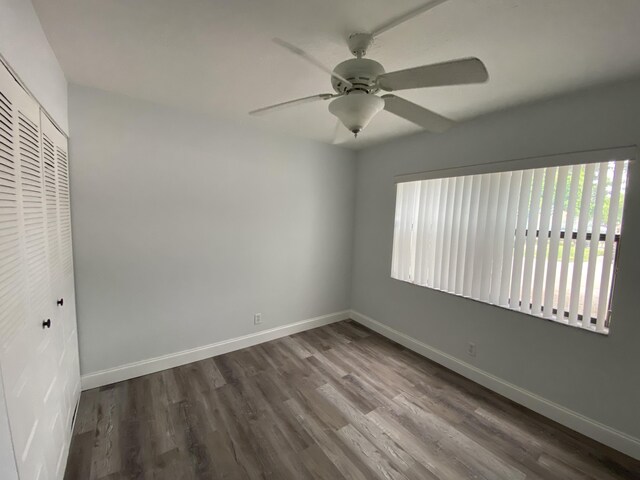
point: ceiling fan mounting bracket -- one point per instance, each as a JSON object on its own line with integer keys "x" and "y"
{"x": 359, "y": 43}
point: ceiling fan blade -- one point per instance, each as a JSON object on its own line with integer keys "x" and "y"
{"x": 455, "y": 72}
{"x": 301, "y": 53}
{"x": 292, "y": 103}
{"x": 394, "y": 22}
{"x": 427, "y": 119}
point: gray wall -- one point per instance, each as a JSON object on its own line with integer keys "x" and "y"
{"x": 594, "y": 375}
{"x": 24, "y": 45}
{"x": 184, "y": 226}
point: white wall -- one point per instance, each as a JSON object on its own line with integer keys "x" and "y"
{"x": 184, "y": 226}
{"x": 596, "y": 376}
{"x": 24, "y": 45}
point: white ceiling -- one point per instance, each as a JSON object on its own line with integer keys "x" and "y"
{"x": 217, "y": 55}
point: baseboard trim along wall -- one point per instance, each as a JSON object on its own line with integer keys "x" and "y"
{"x": 157, "y": 364}
{"x": 576, "y": 421}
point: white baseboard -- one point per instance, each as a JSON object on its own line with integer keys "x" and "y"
{"x": 152, "y": 365}
{"x": 602, "y": 433}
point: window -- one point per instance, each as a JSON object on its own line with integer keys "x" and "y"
{"x": 541, "y": 241}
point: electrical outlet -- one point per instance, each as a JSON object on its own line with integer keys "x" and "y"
{"x": 471, "y": 349}
{"x": 257, "y": 318}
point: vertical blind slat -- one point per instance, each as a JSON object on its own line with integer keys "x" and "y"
{"x": 487, "y": 261}
{"x": 480, "y": 237}
{"x": 401, "y": 236}
{"x": 594, "y": 243}
{"x": 413, "y": 230}
{"x": 435, "y": 209}
{"x": 543, "y": 238}
{"x": 554, "y": 242}
{"x": 421, "y": 253}
{"x": 581, "y": 240}
{"x": 603, "y": 302}
{"x": 501, "y": 220}
{"x": 473, "y": 220}
{"x": 431, "y": 234}
{"x": 446, "y": 243}
{"x": 455, "y": 234}
{"x": 489, "y": 234}
{"x": 521, "y": 236}
{"x": 404, "y": 247}
{"x": 576, "y": 173}
{"x": 442, "y": 206}
{"x": 464, "y": 228}
{"x": 395, "y": 260}
{"x": 509, "y": 237}
{"x": 532, "y": 226}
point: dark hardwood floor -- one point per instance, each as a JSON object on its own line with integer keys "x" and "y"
{"x": 331, "y": 403}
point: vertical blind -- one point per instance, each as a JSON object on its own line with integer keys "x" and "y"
{"x": 541, "y": 241}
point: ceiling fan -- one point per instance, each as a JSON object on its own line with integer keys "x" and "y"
{"x": 358, "y": 80}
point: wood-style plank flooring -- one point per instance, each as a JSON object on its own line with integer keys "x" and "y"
{"x": 337, "y": 402}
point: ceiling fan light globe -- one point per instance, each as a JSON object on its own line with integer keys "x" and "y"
{"x": 356, "y": 110}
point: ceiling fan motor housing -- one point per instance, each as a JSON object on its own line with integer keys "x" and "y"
{"x": 361, "y": 72}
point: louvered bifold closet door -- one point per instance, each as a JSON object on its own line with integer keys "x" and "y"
{"x": 56, "y": 182}
{"x": 68, "y": 282}
{"x": 28, "y": 351}
{"x": 12, "y": 281}
{"x": 23, "y": 384}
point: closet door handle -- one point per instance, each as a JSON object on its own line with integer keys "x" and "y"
{"x": 46, "y": 323}
{"x": 60, "y": 302}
